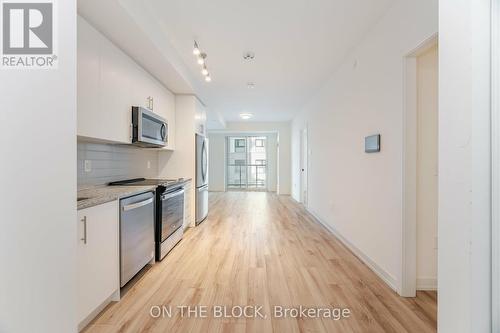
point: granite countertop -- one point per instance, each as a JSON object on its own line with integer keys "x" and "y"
{"x": 101, "y": 194}
{"x": 181, "y": 181}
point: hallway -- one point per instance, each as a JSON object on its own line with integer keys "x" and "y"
{"x": 261, "y": 249}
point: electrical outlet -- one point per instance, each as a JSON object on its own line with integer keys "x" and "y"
{"x": 87, "y": 165}
{"x": 149, "y": 164}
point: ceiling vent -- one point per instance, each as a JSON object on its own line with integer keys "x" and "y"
{"x": 248, "y": 56}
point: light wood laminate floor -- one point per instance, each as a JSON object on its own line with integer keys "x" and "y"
{"x": 261, "y": 249}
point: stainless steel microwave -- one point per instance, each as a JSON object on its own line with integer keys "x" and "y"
{"x": 148, "y": 128}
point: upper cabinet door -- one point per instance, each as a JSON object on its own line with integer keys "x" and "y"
{"x": 88, "y": 78}
{"x": 164, "y": 106}
{"x": 103, "y": 87}
{"x": 140, "y": 87}
{"x": 116, "y": 88}
{"x": 200, "y": 117}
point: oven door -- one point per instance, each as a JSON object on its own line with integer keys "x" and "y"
{"x": 172, "y": 215}
{"x": 150, "y": 130}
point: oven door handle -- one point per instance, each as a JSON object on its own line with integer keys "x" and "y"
{"x": 138, "y": 204}
{"x": 172, "y": 194}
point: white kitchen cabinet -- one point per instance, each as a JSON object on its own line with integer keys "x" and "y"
{"x": 140, "y": 85}
{"x": 88, "y": 74}
{"x": 98, "y": 265}
{"x": 109, "y": 84}
{"x": 200, "y": 118}
{"x": 188, "y": 203}
{"x": 116, "y": 103}
{"x": 164, "y": 105}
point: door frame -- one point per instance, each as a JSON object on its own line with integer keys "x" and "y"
{"x": 408, "y": 274}
{"x": 495, "y": 165}
{"x": 304, "y": 175}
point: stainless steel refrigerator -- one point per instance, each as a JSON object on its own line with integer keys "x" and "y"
{"x": 201, "y": 178}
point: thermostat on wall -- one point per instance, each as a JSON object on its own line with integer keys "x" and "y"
{"x": 372, "y": 143}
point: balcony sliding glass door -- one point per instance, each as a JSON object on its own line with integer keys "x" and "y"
{"x": 246, "y": 161}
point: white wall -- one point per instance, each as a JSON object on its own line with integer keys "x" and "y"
{"x": 216, "y": 162}
{"x": 38, "y": 192}
{"x": 464, "y": 256}
{"x": 284, "y": 147}
{"x": 359, "y": 195}
{"x": 217, "y": 159}
{"x": 427, "y": 168}
{"x": 272, "y": 162}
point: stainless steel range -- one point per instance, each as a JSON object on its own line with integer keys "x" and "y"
{"x": 169, "y": 212}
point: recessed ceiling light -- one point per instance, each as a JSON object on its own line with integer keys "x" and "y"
{"x": 204, "y": 71}
{"x": 246, "y": 116}
{"x": 208, "y": 78}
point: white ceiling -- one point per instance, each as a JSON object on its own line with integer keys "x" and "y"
{"x": 297, "y": 43}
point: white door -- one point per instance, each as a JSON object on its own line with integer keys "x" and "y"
{"x": 303, "y": 166}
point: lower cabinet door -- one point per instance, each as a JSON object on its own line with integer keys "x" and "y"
{"x": 98, "y": 257}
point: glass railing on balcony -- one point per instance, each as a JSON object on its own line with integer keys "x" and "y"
{"x": 247, "y": 176}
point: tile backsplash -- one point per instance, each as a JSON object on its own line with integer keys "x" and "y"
{"x": 114, "y": 162}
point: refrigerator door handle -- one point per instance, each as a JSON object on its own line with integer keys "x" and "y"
{"x": 204, "y": 161}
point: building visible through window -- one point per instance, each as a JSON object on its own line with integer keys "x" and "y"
{"x": 239, "y": 143}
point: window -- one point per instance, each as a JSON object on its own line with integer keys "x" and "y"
{"x": 246, "y": 162}
{"x": 239, "y": 143}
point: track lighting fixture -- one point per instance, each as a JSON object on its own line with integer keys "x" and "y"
{"x": 196, "y": 49}
{"x": 201, "y": 59}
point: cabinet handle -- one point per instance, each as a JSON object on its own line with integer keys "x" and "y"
{"x": 84, "y": 239}
{"x": 150, "y": 103}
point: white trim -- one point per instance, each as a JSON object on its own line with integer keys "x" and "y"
{"x": 381, "y": 273}
{"x": 242, "y": 133}
{"x": 409, "y": 190}
{"x": 408, "y": 274}
{"x": 427, "y": 283}
{"x": 495, "y": 165}
{"x": 114, "y": 297}
{"x": 304, "y": 199}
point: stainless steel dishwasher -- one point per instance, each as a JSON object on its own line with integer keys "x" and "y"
{"x": 136, "y": 234}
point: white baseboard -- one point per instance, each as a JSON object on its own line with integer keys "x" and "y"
{"x": 114, "y": 297}
{"x": 427, "y": 283}
{"x": 381, "y": 273}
